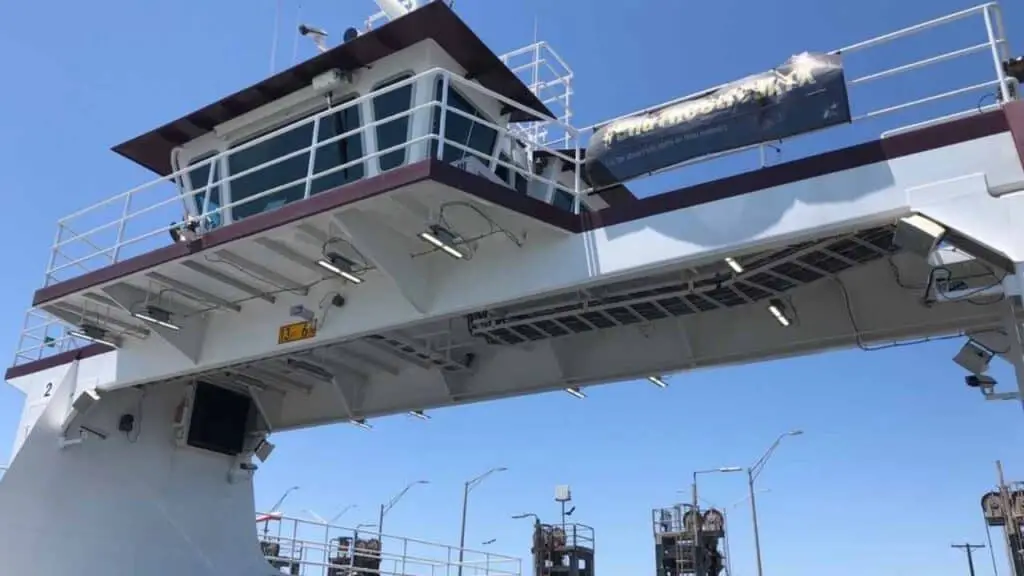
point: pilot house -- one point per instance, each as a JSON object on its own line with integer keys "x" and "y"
{"x": 371, "y": 104}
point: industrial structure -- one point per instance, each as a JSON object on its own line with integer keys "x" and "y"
{"x": 408, "y": 221}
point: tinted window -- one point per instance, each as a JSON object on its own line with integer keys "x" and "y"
{"x": 563, "y": 200}
{"x": 269, "y": 177}
{"x": 393, "y": 132}
{"x": 340, "y": 152}
{"x": 518, "y": 181}
{"x": 458, "y": 128}
{"x": 199, "y": 177}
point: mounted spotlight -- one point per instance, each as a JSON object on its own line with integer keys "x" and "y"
{"x": 918, "y": 235}
{"x": 778, "y": 310}
{"x": 338, "y": 264}
{"x": 735, "y": 265}
{"x": 576, "y": 392}
{"x": 443, "y": 239}
{"x": 361, "y": 423}
{"x": 156, "y": 315}
{"x": 318, "y": 36}
{"x": 420, "y": 414}
{"x": 92, "y": 333}
{"x": 973, "y": 357}
{"x": 657, "y": 381}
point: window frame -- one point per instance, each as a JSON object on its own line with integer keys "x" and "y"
{"x": 435, "y": 124}
{"x": 409, "y": 117}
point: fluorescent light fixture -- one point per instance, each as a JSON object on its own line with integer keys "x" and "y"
{"x": 361, "y": 423}
{"x": 92, "y": 334}
{"x": 442, "y": 239}
{"x": 736, "y": 266}
{"x": 657, "y": 381}
{"x": 310, "y": 368}
{"x": 338, "y": 264}
{"x": 156, "y": 315}
{"x": 420, "y": 414}
{"x": 575, "y": 391}
{"x": 778, "y": 310}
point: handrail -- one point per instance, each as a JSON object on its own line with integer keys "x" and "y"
{"x": 314, "y": 119}
{"x": 39, "y": 339}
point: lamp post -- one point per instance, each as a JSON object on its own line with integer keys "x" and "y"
{"x": 697, "y": 558}
{"x": 273, "y": 509}
{"x": 469, "y": 485}
{"x": 752, "y": 473}
{"x": 385, "y": 508}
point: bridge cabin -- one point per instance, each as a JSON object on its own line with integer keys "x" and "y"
{"x": 376, "y": 102}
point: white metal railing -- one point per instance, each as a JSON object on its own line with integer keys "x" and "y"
{"x": 309, "y": 548}
{"x": 993, "y": 42}
{"x": 132, "y": 222}
{"x": 95, "y": 253}
{"x": 136, "y": 221}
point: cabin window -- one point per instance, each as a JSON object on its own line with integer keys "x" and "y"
{"x": 291, "y": 170}
{"x": 563, "y": 200}
{"x": 457, "y": 128}
{"x": 199, "y": 177}
{"x": 516, "y": 179}
{"x": 294, "y": 169}
{"x": 339, "y": 152}
{"x": 393, "y": 132}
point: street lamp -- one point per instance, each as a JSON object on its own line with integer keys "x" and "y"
{"x": 385, "y": 508}
{"x": 697, "y": 559}
{"x": 469, "y": 485}
{"x": 321, "y": 520}
{"x": 752, "y": 473}
{"x": 273, "y": 509}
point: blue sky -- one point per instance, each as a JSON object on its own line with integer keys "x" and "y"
{"x": 897, "y": 452}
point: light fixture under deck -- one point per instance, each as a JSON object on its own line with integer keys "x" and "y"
{"x": 419, "y": 414}
{"x": 92, "y": 333}
{"x": 778, "y": 310}
{"x": 735, "y": 265}
{"x": 362, "y": 423}
{"x": 658, "y": 381}
{"x": 156, "y": 315}
{"x": 576, "y": 392}
{"x": 338, "y": 264}
{"x": 443, "y": 239}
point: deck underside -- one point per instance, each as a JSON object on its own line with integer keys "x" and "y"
{"x": 842, "y": 291}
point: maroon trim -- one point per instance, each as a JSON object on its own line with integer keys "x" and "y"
{"x": 82, "y": 353}
{"x": 434, "y": 21}
{"x": 1014, "y": 112}
{"x": 1009, "y": 118}
{"x": 856, "y": 156}
{"x": 329, "y": 200}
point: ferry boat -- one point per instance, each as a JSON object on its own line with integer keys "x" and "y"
{"x": 408, "y": 221}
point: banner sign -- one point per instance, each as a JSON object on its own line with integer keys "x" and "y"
{"x": 806, "y": 93}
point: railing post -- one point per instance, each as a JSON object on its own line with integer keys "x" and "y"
{"x": 445, "y": 82}
{"x": 312, "y": 157}
{"x": 53, "y": 252}
{"x": 214, "y": 164}
{"x": 576, "y": 180}
{"x": 120, "y": 228}
{"x": 993, "y": 41}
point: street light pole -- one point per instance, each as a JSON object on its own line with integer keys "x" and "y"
{"x": 385, "y": 508}
{"x": 469, "y": 485}
{"x": 752, "y": 474}
{"x": 969, "y": 548}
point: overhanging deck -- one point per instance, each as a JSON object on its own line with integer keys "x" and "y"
{"x": 419, "y": 328}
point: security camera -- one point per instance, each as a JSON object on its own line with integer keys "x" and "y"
{"x": 310, "y": 30}
{"x": 983, "y": 381}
